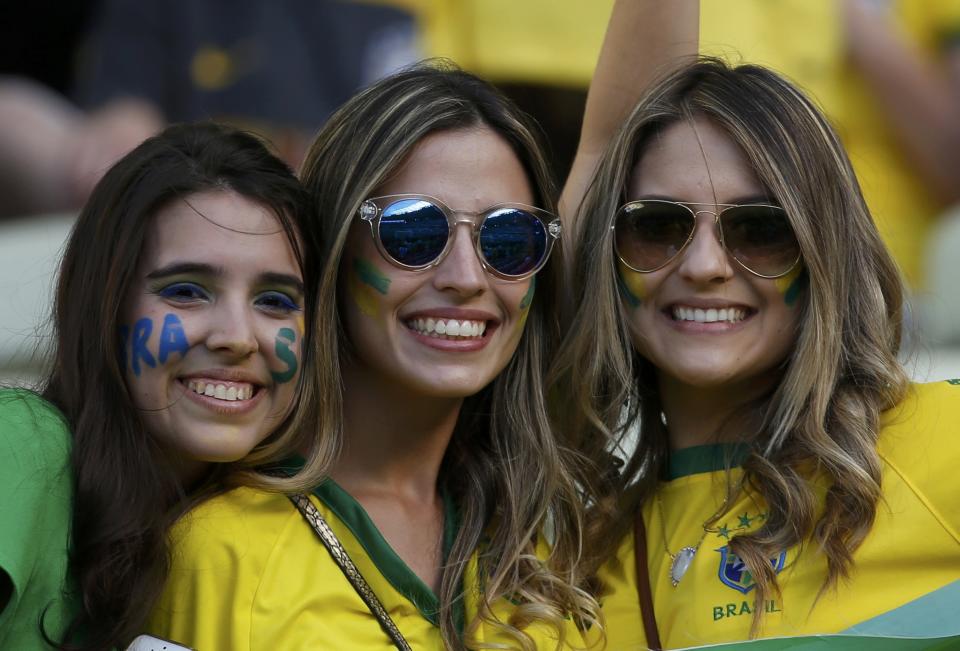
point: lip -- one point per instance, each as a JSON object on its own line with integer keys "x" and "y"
{"x": 224, "y": 375}
{"x": 708, "y": 303}
{"x": 460, "y": 314}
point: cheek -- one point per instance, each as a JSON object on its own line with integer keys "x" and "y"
{"x": 152, "y": 342}
{"x": 526, "y": 301}
{"x": 286, "y": 349}
{"x": 367, "y": 285}
{"x": 631, "y": 284}
{"x": 791, "y": 286}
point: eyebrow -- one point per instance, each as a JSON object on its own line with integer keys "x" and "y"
{"x": 274, "y": 278}
{"x": 736, "y": 201}
{"x": 201, "y": 269}
{"x": 179, "y": 268}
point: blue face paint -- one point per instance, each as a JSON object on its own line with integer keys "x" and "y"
{"x": 286, "y": 337}
{"x": 138, "y": 346}
{"x": 172, "y": 338}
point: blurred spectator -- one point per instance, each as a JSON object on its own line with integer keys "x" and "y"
{"x": 888, "y": 75}
{"x": 277, "y": 67}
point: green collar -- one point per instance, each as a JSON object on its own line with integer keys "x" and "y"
{"x": 704, "y": 458}
{"x": 393, "y": 568}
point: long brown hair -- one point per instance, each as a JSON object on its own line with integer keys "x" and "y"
{"x": 503, "y": 463}
{"x": 842, "y": 372}
{"x": 126, "y": 492}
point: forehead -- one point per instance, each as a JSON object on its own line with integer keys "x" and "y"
{"x": 219, "y": 227}
{"x": 468, "y": 169}
{"x": 696, "y": 161}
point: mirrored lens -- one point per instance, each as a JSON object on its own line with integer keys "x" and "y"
{"x": 648, "y": 234}
{"x": 760, "y": 238}
{"x": 413, "y": 231}
{"x": 512, "y": 241}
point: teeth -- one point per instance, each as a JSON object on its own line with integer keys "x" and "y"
{"x": 448, "y": 328}
{"x": 230, "y": 393}
{"x": 711, "y": 315}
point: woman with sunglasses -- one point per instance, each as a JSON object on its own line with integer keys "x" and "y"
{"x": 178, "y": 330}
{"x": 436, "y": 214}
{"x": 737, "y": 333}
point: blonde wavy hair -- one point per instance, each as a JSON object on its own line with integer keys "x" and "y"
{"x": 504, "y": 467}
{"x": 823, "y": 416}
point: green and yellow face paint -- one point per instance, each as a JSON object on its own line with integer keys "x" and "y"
{"x": 631, "y": 284}
{"x": 791, "y": 285}
{"x": 366, "y": 281}
{"x": 527, "y": 301}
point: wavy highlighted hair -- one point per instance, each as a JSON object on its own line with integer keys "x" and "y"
{"x": 823, "y": 415}
{"x": 504, "y": 464}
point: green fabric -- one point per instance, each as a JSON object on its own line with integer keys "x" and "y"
{"x": 704, "y": 458}
{"x": 840, "y": 643}
{"x": 933, "y": 613}
{"x": 35, "y": 511}
{"x": 393, "y": 568}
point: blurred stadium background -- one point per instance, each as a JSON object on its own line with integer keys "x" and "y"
{"x": 83, "y": 82}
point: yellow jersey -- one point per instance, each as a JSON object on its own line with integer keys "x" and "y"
{"x": 249, "y": 574}
{"x": 905, "y": 579}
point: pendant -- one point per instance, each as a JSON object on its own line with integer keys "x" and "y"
{"x": 681, "y": 563}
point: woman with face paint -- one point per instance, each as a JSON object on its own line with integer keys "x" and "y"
{"x": 737, "y": 335}
{"x": 179, "y": 342}
{"x": 436, "y": 213}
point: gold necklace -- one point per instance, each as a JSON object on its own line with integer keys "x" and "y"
{"x": 683, "y": 559}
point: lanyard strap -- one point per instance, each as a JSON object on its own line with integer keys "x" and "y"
{"x": 342, "y": 559}
{"x": 643, "y": 584}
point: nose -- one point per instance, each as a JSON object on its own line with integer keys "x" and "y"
{"x": 232, "y": 330}
{"x": 461, "y": 271}
{"x": 704, "y": 260}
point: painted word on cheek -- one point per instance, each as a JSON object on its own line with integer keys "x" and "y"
{"x": 365, "y": 279}
{"x": 172, "y": 340}
{"x": 286, "y": 337}
{"x": 631, "y": 285}
{"x": 791, "y": 285}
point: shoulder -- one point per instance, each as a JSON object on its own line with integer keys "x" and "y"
{"x": 34, "y": 437}
{"x": 920, "y": 442}
{"x": 929, "y": 416}
{"x": 220, "y": 553}
{"x": 24, "y": 414}
{"x": 239, "y": 526}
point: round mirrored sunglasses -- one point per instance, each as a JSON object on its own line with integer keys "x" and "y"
{"x": 415, "y": 232}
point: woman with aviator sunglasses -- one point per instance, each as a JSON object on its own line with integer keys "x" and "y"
{"x": 436, "y": 216}
{"x": 738, "y": 328}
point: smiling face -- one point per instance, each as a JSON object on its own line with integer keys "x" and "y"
{"x": 449, "y": 330}
{"x": 703, "y": 320}
{"x": 212, "y": 327}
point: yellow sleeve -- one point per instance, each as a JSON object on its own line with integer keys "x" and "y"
{"x": 218, "y": 560}
{"x": 920, "y": 440}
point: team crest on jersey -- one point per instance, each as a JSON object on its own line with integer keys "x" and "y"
{"x": 735, "y": 574}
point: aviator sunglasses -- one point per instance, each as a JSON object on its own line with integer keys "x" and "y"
{"x": 415, "y": 231}
{"x": 649, "y": 233}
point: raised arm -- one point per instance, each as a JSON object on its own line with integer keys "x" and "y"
{"x": 918, "y": 95}
{"x": 644, "y": 37}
